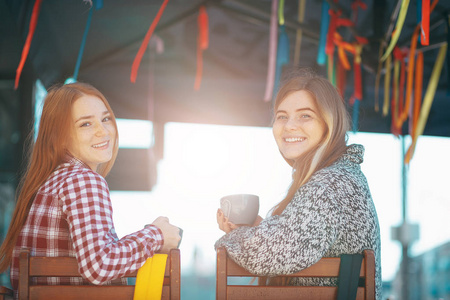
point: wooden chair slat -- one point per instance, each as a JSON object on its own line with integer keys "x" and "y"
{"x": 325, "y": 267}
{"x": 30, "y": 267}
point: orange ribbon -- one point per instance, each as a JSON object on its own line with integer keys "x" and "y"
{"x": 202, "y": 44}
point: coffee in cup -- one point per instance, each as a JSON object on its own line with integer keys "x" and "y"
{"x": 240, "y": 209}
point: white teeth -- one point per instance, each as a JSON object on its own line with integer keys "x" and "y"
{"x": 100, "y": 145}
{"x": 293, "y": 140}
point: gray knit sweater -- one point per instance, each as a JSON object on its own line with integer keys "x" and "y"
{"x": 333, "y": 213}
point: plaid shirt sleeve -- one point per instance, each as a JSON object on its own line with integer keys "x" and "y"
{"x": 101, "y": 255}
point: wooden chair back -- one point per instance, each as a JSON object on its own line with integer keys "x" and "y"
{"x": 32, "y": 266}
{"x": 326, "y": 267}
{"x": 6, "y": 293}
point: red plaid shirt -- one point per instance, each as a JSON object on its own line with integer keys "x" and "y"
{"x": 71, "y": 215}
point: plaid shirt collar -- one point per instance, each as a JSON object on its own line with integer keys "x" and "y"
{"x": 69, "y": 159}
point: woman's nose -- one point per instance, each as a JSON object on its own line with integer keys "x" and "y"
{"x": 291, "y": 124}
{"x": 101, "y": 130}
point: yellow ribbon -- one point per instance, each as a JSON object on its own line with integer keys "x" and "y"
{"x": 427, "y": 100}
{"x": 398, "y": 29}
{"x": 150, "y": 278}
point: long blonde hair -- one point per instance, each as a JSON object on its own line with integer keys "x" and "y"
{"x": 48, "y": 152}
{"x": 335, "y": 116}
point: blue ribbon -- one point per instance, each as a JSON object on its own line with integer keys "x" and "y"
{"x": 282, "y": 56}
{"x": 325, "y": 22}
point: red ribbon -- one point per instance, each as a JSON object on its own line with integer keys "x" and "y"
{"x": 425, "y": 23}
{"x": 398, "y": 107}
{"x": 202, "y": 44}
{"x": 26, "y": 47}
{"x": 140, "y": 54}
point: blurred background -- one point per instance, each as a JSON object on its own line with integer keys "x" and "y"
{"x": 194, "y": 112}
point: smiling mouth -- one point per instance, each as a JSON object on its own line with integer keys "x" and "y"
{"x": 293, "y": 140}
{"x": 100, "y": 145}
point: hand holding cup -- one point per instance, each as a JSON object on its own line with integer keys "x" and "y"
{"x": 237, "y": 210}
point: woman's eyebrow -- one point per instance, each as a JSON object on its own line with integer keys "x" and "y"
{"x": 106, "y": 112}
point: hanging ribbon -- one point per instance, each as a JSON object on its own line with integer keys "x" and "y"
{"x": 417, "y": 93}
{"x": 298, "y": 39}
{"x": 74, "y": 77}
{"x": 335, "y": 23}
{"x": 427, "y": 101}
{"x": 202, "y": 44}
{"x": 387, "y": 81}
{"x": 283, "y": 48}
{"x": 394, "y": 98}
{"x": 410, "y": 70}
{"x": 355, "y": 5}
{"x": 425, "y": 23}
{"x": 270, "y": 81}
{"x": 357, "y": 95}
{"x": 329, "y": 47}
{"x": 282, "y": 56}
{"x": 148, "y": 35}
{"x": 324, "y": 24}
{"x": 377, "y": 78}
{"x": 26, "y": 47}
{"x": 341, "y": 77}
{"x": 150, "y": 278}
{"x": 398, "y": 29}
{"x": 398, "y": 89}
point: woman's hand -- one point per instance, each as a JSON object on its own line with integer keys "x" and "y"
{"x": 257, "y": 221}
{"x": 171, "y": 234}
{"x": 223, "y": 222}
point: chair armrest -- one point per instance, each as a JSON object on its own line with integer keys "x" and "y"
{"x": 6, "y": 293}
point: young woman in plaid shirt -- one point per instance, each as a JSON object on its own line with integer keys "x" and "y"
{"x": 64, "y": 207}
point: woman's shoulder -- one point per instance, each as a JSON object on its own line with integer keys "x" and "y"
{"x": 345, "y": 169}
{"x": 72, "y": 174}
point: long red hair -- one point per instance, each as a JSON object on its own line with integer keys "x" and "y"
{"x": 48, "y": 152}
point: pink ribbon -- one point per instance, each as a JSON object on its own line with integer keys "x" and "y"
{"x": 272, "y": 52}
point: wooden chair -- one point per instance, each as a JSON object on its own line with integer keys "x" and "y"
{"x": 31, "y": 266}
{"x": 6, "y": 293}
{"x": 326, "y": 267}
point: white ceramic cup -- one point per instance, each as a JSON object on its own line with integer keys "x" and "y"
{"x": 240, "y": 209}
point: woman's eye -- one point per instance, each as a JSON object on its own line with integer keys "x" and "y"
{"x": 281, "y": 117}
{"x": 106, "y": 119}
{"x": 305, "y": 116}
{"x": 85, "y": 124}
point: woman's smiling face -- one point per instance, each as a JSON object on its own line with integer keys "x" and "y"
{"x": 298, "y": 127}
{"x": 93, "y": 130}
